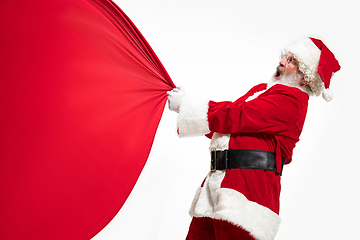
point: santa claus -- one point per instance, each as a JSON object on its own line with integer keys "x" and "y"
{"x": 251, "y": 139}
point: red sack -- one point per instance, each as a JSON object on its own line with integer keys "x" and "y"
{"x": 81, "y": 97}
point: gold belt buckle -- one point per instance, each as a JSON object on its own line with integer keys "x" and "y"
{"x": 213, "y": 160}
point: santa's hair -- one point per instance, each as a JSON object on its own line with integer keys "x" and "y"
{"x": 311, "y": 77}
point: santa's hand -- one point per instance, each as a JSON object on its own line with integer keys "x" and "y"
{"x": 175, "y": 97}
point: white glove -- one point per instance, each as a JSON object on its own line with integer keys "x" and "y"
{"x": 175, "y": 97}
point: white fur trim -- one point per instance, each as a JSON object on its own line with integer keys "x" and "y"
{"x": 328, "y": 94}
{"x": 255, "y": 95}
{"x": 307, "y": 52}
{"x": 232, "y": 206}
{"x": 220, "y": 141}
{"x": 192, "y": 118}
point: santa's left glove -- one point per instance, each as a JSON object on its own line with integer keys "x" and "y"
{"x": 175, "y": 97}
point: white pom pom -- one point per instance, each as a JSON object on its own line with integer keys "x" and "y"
{"x": 328, "y": 94}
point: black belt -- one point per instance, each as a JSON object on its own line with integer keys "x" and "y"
{"x": 241, "y": 158}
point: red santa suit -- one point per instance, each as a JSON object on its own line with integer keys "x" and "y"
{"x": 243, "y": 202}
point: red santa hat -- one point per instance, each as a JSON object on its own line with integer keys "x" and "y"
{"x": 317, "y": 63}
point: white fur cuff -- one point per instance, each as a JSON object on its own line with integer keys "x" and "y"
{"x": 193, "y": 119}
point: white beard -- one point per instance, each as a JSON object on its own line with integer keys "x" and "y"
{"x": 291, "y": 80}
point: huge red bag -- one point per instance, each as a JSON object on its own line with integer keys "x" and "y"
{"x": 81, "y": 97}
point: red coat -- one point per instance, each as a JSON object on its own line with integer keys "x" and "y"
{"x": 272, "y": 122}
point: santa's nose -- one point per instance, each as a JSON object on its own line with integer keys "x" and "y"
{"x": 282, "y": 62}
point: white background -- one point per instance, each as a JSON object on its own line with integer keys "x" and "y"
{"x": 219, "y": 49}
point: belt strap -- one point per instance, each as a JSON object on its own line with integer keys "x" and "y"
{"x": 242, "y": 158}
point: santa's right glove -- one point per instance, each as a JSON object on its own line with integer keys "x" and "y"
{"x": 175, "y": 97}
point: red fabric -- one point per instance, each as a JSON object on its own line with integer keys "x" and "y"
{"x": 280, "y": 111}
{"x": 271, "y": 122}
{"x": 252, "y": 91}
{"x": 211, "y": 229}
{"x": 262, "y": 187}
{"x": 81, "y": 97}
{"x": 327, "y": 63}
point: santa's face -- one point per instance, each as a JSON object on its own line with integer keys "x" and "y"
{"x": 288, "y": 65}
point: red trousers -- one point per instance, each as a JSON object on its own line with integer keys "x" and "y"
{"x": 211, "y": 229}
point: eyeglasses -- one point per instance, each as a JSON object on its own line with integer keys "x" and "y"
{"x": 291, "y": 60}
